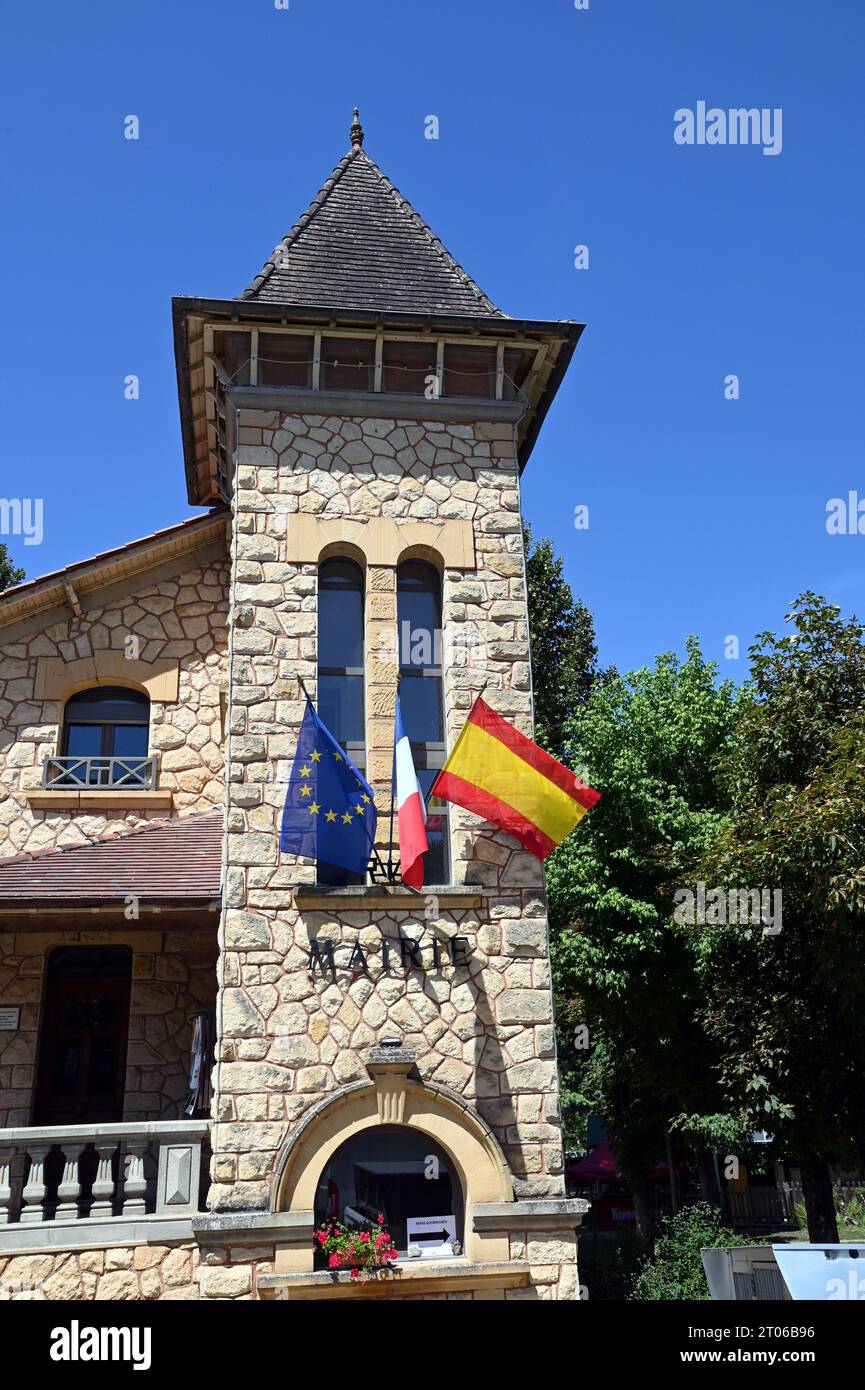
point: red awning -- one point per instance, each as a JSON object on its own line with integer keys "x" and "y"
{"x": 600, "y": 1163}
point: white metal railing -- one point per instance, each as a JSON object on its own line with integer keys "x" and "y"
{"x": 99, "y": 773}
{"x": 73, "y": 1173}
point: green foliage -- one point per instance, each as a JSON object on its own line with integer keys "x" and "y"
{"x": 649, "y": 742}
{"x": 851, "y": 1209}
{"x": 787, "y": 1012}
{"x": 675, "y": 1272}
{"x": 9, "y": 574}
{"x": 564, "y": 652}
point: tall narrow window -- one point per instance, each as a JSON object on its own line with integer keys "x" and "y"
{"x": 341, "y": 670}
{"x": 419, "y": 617}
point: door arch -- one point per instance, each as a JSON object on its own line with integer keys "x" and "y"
{"x": 434, "y": 1111}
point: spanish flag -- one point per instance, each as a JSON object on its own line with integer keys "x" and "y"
{"x": 498, "y": 773}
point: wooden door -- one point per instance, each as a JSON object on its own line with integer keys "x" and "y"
{"x": 85, "y": 1024}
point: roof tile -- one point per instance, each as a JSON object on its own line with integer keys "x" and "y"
{"x": 168, "y": 860}
{"x": 360, "y": 245}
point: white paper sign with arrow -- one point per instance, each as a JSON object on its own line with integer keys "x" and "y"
{"x": 432, "y": 1234}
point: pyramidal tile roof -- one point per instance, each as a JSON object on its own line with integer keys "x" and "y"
{"x": 170, "y": 860}
{"x": 360, "y": 245}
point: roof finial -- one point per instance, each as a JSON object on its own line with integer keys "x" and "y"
{"x": 356, "y": 132}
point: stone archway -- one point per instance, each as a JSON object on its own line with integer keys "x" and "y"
{"x": 392, "y": 1098}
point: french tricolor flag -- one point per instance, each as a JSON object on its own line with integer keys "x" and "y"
{"x": 411, "y": 811}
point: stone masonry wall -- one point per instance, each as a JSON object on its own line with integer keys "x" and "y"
{"x": 168, "y": 988}
{"x": 170, "y": 983}
{"x": 148, "y": 1272}
{"x": 485, "y": 1029}
{"x": 182, "y": 619}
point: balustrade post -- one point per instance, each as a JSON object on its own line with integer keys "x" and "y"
{"x": 178, "y": 1177}
{"x": 103, "y": 1183}
{"x": 6, "y": 1157}
{"x": 69, "y": 1189}
{"x": 134, "y": 1181}
{"x": 34, "y": 1192}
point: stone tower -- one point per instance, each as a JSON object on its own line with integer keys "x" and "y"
{"x": 367, "y": 411}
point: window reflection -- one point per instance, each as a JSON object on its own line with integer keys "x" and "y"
{"x": 341, "y": 672}
{"x": 419, "y": 621}
{"x": 103, "y": 723}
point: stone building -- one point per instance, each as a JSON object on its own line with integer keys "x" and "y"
{"x": 355, "y": 423}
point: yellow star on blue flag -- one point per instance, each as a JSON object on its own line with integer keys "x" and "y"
{"x": 329, "y": 811}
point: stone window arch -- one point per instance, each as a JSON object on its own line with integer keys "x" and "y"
{"x": 430, "y": 1111}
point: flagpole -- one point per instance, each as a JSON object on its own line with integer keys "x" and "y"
{"x": 392, "y": 799}
{"x": 432, "y": 790}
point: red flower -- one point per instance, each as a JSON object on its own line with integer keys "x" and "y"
{"x": 334, "y": 1262}
{"x": 364, "y": 1237}
{"x": 380, "y": 1219}
{"x": 355, "y": 1274}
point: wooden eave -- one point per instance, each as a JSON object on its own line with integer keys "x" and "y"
{"x": 554, "y": 343}
{"x": 88, "y": 577}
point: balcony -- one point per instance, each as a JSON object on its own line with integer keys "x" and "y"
{"x": 99, "y": 774}
{"x": 73, "y": 783}
{"x": 80, "y": 1186}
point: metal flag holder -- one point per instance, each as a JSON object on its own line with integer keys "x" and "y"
{"x": 378, "y": 871}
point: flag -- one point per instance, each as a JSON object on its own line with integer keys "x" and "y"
{"x": 498, "y": 773}
{"x": 411, "y": 812}
{"x": 329, "y": 811}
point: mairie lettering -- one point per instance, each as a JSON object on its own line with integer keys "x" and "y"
{"x": 400, "y": 953}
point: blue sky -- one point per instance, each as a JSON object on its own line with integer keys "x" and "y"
{"x": 556, "y": 129}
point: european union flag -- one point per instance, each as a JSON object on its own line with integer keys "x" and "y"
{"x": 329, "y": 811}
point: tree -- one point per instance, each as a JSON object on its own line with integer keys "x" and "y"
{"x": 564, "y": 651}
{"x": 9, "y": 574}
{"x": 650, "y": 742}
{"x": 675, "y": 1271}
{"x": 787, "y": 1010}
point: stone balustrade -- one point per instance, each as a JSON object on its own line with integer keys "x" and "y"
{"x": 115, "y": 1173}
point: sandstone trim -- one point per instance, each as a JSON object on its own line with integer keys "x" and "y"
{"x": 99, "y": 801}
{"x": 381, "y": 540}
{"x": 408, "y": 1280}
{"x": 309, "y": 898}
{"x": 57, "y": 679}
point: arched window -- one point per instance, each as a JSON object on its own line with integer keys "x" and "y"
{"x": 341, "y": 670}
{"x": 340, "y": 655}
{"x": 419, "y": 619}
{"x": 402, "y": 1175}
{"x": 106, "y": 733}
